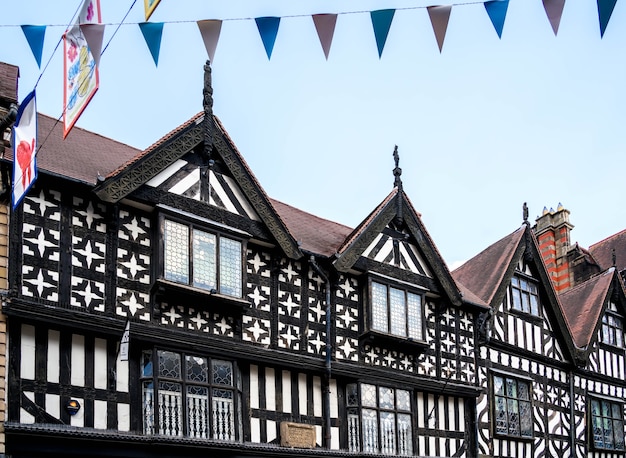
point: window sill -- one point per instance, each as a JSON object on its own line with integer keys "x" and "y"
{"x": 165, "y": 290}
{"x": 389, "y": 340}
{"x": 515, "y": 438}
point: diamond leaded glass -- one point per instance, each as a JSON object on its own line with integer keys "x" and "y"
{"x": 190, "y": 399}
{"x": 512, "y": 407}
{"x": 176, "y": 251}
{"x": 397, "y": 310}
{"x": 379, "y": 307}
{"x": 380, "y": 427}
{"x": 230, "y": 267}
{"x": 607, "y": 424}
{"x": 204, "y": 266}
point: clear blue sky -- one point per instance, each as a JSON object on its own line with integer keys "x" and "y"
{"x": 482, "y": 127}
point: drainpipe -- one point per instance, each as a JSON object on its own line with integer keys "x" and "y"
{"x": 329, "y": 347}
{"x": 572, "y": 406}
{"x": 8, "y": 120}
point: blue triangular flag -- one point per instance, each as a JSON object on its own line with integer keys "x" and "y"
{"x": 496, "y": 9}
{"x": 152, "y": 33}
{"x": 381, "y": 20}
{"x": 268, "y": 28}
{"x": 35, "y": 35}
{"x": 605, "y": 9}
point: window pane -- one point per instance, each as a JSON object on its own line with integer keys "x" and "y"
{"x": 398, "y": 312}
{"x": 197, "y": 370}
{"x": 511, "y": 388}
{"x": 146, "y": 364}
{"x": 148, "y": 407}
{"x": 354, "y": 444}
{"x": 230, "y": 267}
{"x": 379, "y": 307}
{"x": 403, "y": 400}
{"x": 618, "y": 427}
{"x": 370, "y": 431}
{"x": 513, "y": 411}
{"x": 526, "y": 419}
{"x": 501, "y": 416}
{"x": 534, "y": 305}
{"x": 523, "y": 391}
{"x": 405, "y": 438}
{"x": 204, "y": 267}
{"x": 387, "y": 433}
{"x": 223, "y": 414}
{"x": 222, "y": 372}
{"x": 352, "y": 397}
{"x": 176, "y": 250}
{"x": 385, "y": 398}
{"x": 169, "y": 364}
{"x": 198, "y": 411}
{"x": 414, "y": 312}
{"x": 368, "y": 395}
{"x": 517, "y": 300}
{"x": 498, "y": 385}
{"x": 170, "y": 409}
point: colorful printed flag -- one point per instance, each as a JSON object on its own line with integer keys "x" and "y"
{"x": 149, "y": 6}
{"x": 81, "y": 77}
{"x": 24, "y": 148}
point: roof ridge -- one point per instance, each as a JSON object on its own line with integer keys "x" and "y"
{"x": 310, "y": 214}
{"x": 607, "y": 238}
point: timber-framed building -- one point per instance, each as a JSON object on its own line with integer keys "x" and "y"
{"x": 159, "y": 303}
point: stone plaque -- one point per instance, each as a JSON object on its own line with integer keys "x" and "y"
{"x": 297, "y": 435}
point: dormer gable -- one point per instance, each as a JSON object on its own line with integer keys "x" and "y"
{"x": 596, "y": 312}
{"x": 393, "y": 239}
{"x": 510, "y": 277}
{"x": 199, "y": 162}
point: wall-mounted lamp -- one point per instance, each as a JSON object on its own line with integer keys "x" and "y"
{"x": 72, "y": 406}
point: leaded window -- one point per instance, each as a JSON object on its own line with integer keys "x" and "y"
{"x": 607, "y": 424}
{"x": 612, "y": 329}
{"x": 396, "y": 311}
{"x": 512, "y": 406}
{"x": 190, "y": 395}
{"x": 524, "y": 295}
{"x": 379, "y": 419}
{"x": 195, "y": 257}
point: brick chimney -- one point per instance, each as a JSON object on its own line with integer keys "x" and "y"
{"x": 553, "y": 234}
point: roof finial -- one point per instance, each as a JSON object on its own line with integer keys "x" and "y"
{"x": 207, "y": 92}
{"x": 397, "y": 171}
{"x": 614, "y": 257}
{"x": 525, "y": 213}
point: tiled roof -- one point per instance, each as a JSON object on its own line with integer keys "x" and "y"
{"x": 8, "y": 83}
{"x": 171, "y": 134}
{"x": 366, "y": 222}
{"x": 484, "y": 273}
{"x": 81, "y": 156}
{"x": 582, "y": 306}
{"x": 315, "y": 235}
{"x": 602, "y": 251}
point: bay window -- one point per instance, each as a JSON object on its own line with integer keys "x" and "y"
{"x": 190, "y": 395}
{"x": 195, "y": 257}
{"x": 379, "y": 419}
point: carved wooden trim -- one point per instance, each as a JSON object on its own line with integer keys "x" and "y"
{"x": 257, "y": 199}
{"x": 137, "y": 174}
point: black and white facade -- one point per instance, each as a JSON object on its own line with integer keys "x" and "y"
{"x": 255, "y": 329}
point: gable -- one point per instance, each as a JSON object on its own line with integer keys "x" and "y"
{"x": 393, "y": 235}
{"x": 394, "y": 248}
{"x": 523, "y": 317}
{"x": 183, "y": 178}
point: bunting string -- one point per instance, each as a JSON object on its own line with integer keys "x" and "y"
{"x": 268, "y": 27}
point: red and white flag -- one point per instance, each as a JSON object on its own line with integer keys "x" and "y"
{"x": 24, "y": 148}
